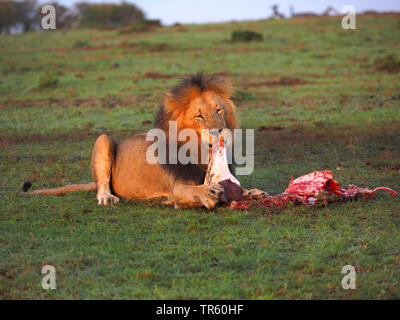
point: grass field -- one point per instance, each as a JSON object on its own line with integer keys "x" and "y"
{"x": 318, "y": 96}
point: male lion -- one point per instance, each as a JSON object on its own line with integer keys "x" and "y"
{"x": 198, "y": 102}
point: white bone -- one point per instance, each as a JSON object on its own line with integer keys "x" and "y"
{"x": 218, "y": 168}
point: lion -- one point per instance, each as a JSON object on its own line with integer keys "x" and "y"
{"x": 121, "y": 170}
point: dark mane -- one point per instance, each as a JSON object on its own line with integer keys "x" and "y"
{"x": 177, "y": 100}
{"x": 202, "y": 82}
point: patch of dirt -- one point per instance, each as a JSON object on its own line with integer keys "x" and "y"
{"x": 9, "y": 274}
{"x": 389, "y": 64}
{"x": 106, "y": 102}
{"x": 284, "y": 81}
{"x": 127, "y": 78}
{"x": 321, "y": 56}
{"x": 396, "y": 167}
{"x": 158, "y": 75}
{"x": 269, "y": 128}
{"x": 142, "y": 46}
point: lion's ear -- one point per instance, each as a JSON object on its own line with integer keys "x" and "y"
{"x": 232, "y": 121}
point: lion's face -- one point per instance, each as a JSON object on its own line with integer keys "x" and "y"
{"x": 201, "y": 103}
{"x": 207, "y": 116}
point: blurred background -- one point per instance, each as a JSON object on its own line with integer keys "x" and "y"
{"x": 22, "y": 15}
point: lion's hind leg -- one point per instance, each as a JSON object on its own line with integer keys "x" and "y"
{"x": 102, "y": 162}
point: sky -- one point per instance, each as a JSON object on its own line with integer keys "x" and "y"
{"x": 203, "y": 11}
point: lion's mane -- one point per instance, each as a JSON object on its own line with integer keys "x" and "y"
{"x": 178, "y": 99}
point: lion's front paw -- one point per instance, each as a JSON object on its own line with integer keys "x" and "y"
{"x": 254, "y": 194}
{"x": 107, "y": 198}
{"x": 211, "y": 194}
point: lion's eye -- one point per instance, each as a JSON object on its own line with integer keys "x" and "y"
{"x": 219, "y": 110}
{"x": 199, "y": 116}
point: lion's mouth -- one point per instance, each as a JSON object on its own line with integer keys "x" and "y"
{"x": 207, "y": 144}
{"x": 210, "y": 145}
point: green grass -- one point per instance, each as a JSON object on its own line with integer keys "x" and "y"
{"x": 342, "y": 115}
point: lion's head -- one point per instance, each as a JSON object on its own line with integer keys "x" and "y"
{"x": 199, "y": 102}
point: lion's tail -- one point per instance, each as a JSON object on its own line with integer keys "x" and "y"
{"x": 61, "y": 190}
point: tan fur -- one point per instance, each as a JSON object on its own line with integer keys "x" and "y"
{"x": 69, "y": 188}
{"x": 123, "y": 168}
